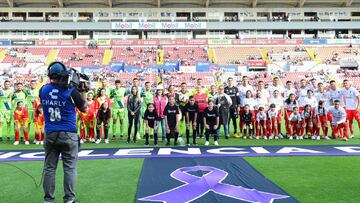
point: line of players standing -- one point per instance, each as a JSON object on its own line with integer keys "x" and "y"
{"x": 305, "y": 111}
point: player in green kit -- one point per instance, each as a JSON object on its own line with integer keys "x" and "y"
{"x": 5, "y": 110}
{"x": 147, "y": 97}
{"x": 31, "y": 95}
{"x": 184, "y": 95}
{"x": 199, "y": 82}
{"x": 18, "y": 95}
{"x": 118, "y": 108}
{"x": 212, "y": 92}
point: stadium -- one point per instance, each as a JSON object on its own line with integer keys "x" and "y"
{"x": 188, "y": 101}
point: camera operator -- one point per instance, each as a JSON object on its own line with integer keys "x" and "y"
{"x": 59, "y": 100}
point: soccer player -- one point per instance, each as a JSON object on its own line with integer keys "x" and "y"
{"x": 260, "y": 102}
{"x": 133, "y": 107}
{"x": 322, "y": 95}
{"x": 212, "y": 92}
{"x": 102, "y": 97}
{"x": 301, "y": 94}
{"x": 103, "y": 117}
{"x": 118, "y": 108}
{"x": 19, "y": 95}
{"x": 263, "y": 90}
{"x": 272, "y": 122}
{"x": 104, "y": 85}
{"x": 294, "y": 122}
{"x": 248, "y": 120}
{"x": 352, "y": 104}
{"x": 248, "y": 101}
{"x": 290, "y": 104}
{"x": 338, "y": 121}
{"x": 234, "y": 94}
{"x": 39, "y": 125}
{"x": 21, "y": 119}
{"x": 150, "y": 117}
{"x": 31, "y": 94}
{"x": 313, "y": 85}
{"x": 184, "y": 95}
{"x": 276, "y": 86}
{"x": 278, "y": 101}
{"x": 201, "y": 101}
{"x": 321, "y": 120}
{"x": 261, "y": 124}
{"x": 191, "y": 110}
{"x": 335, "y": 94}
{"x": 172, "y": 114}
{"x": 310, "y": 99}
{"x": 289, "y": 89}
{"x": 223, "y": 102}
{"x": 5, "y": 110}
{"x": 307, "y": 125}
{"x": 211, "y": 123}
{"x": 87, "y": 120}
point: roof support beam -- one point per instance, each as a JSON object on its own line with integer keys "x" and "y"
{"x": 348, "y": 3}
{"x": 110, "y": 3}
{"x": 10, "y": 2}
{"x": 61, "y": 3}
{"x": 207, "y": 2}
{"x": 254, "y": 3}
{"x": 159, "y": 3}
{"x": 301, "y": 3}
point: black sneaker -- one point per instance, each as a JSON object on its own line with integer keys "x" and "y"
{"x": 167, "y": 143}
{"x": 128, "y": 141}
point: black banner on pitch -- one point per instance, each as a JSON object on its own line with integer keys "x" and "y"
{"x": 197, "y": 180}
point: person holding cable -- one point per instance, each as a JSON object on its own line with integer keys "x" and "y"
{"x": 59, "y": 99}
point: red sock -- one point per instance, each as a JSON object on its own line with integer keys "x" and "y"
{"x": 37, "y": 136}
{"x": 325, "y": 130}
{"x": 351, "y": 126}
{"x": 91, "y": 133}
{"x": 17, "y": 135}
{"x": 26, "y": 135}
{"x": 42, "y": 136}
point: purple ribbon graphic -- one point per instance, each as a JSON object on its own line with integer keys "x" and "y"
{"x": 196, "y": 187}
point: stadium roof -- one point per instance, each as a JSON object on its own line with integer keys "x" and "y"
{"x": 180, "y": 3}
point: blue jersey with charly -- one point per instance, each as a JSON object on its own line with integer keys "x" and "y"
{"x": 59, "y": 109}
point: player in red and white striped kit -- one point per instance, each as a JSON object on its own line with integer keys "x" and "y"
{"x": 261, "y": 124}
{"x": 352, "y": 103}
{"x": 273, "y": 122}
{"x": 290, "y": 104}
{"x": 307, "y": 117}
{"x": 294, "y": 122}
{"x": 338, "y": 122}
{"x": 278, "y": 101}
{"x": 321, "y": 121}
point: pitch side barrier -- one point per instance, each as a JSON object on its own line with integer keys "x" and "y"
{"x": 237, "y": 151}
